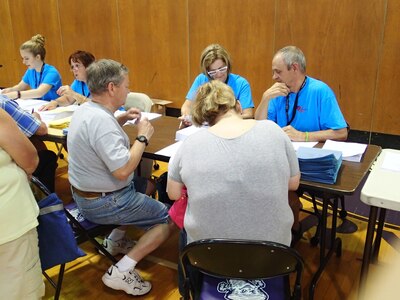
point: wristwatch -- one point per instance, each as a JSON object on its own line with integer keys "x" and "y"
{"x": 142, "y": 139}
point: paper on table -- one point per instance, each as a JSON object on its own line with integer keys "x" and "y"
{"x": 148, "y": 115}
{"x": 29, "y": 104}
{"x": 169, "y": 150}
{"x": 185, "y": 132}
{"x": 60, "y": 123}
{"x": 391, "y": 162}
{"x": 297, "y": 145}
{"x": 56, "y": 132}
{"x": 350, "y": 151}
{"x": 68, "y": 108}
{"x": 49, "y": 116}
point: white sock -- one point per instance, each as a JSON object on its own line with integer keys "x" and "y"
{"x": 126, "y": 263}
{"x": 116, "y": 234}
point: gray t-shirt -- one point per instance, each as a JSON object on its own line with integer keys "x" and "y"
{"x": 97, "y": 146}
{"x": 237, "y": 188}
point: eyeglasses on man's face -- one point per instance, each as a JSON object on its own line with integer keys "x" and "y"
{"x": 212, "y": 73}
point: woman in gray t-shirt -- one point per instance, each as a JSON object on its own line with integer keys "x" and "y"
{"x": 237, "y": 173}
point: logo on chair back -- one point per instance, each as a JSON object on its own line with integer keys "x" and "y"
{"x": 243, "y": 289}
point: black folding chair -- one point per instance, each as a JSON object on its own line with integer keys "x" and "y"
{"x": 223, "y": 268}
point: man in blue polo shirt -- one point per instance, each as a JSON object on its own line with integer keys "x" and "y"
{"x": 305, "y": 108}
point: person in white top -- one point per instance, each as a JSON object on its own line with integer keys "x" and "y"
{"x": 20, "y": 268}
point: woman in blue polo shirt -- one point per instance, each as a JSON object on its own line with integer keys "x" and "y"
{"x": 215, "y": 64}
{"x": 78, "y": 92}
{"x": 41, "y": 80}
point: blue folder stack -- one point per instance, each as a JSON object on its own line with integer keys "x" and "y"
{"x": 319, "y": 165}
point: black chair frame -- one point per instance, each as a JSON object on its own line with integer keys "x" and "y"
{"x": 240, "y": 259}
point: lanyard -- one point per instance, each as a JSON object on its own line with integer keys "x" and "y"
{"x": 40, "y": 76}
{"x": 295, "y": 103}
{"x": 83, "y": 91}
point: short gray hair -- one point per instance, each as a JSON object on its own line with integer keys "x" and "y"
{"x": 100, "y": 73}
{"x": 291, "y": 55}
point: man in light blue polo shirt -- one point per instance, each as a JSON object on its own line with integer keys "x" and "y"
{"x": 305, "y": 108}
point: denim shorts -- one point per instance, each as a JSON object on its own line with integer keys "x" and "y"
{"x": 124, "y": 207}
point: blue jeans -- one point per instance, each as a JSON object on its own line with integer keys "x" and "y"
{"x": 124, "y": 207}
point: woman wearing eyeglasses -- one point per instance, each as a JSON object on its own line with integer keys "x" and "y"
{"x": 78, "y": 92}
{"x": 216, "y": 64}
{"x": 41, "y": 80}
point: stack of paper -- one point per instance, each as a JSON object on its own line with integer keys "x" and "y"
{"x": 350, "y": 151}
{"x": 60, "y": 123}
{"x": 319, "y": 165}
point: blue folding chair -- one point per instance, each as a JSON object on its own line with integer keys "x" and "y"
{"x": 57, "y": 243}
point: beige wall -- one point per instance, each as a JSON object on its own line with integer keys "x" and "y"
{"x": 352, "y": 45}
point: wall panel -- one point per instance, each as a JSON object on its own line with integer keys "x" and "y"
{"x": 341, "y": 41}
{"x": 90, "y": 25}
{"x": 40, "y": 16}
{"x": 9, "y": 59}
{"x": 386, "y": 116}
{"x": 154, "y": 46}
{"x": 244, "y": 28}
{"x": 351, "y": 45}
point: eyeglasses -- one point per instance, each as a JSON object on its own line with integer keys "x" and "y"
{"x": 220, "y": 70}
{"x": 76, "y": 66}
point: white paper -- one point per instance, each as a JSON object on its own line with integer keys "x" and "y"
{"x": 182, "y": 134}
{"x": 148, "y": 115}
{"x": 297, "y": 145}
{"x": 350, "y": 151}
{"x": 391, "y": 162}
{"x": 169, "y": 150}
{"x": 29, "y": 104}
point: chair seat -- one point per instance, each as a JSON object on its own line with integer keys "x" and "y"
{"x": 75, "y": 212}
{"x": 86, "y": 230}
{"x": 218, "y": 288}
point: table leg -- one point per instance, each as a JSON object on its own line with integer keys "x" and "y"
{"x": 367, "y": 249}
{"x": 334, "y": 243}
{"x": 378, "y": 237}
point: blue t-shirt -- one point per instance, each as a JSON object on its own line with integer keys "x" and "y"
{"x": 80, "y": 87}
{"x": 49, "y": 75}
{"x": 239, "y": 85}
{"x": 317, "y": 108}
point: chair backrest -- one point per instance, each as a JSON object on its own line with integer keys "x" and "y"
{"x": 241, "y": 260}
{"x": 138, "y": 100}
{"x": 57, "y": 243}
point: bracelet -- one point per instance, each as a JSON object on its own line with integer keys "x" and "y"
{"x": 18, "y": 94}
{"x": 306, "y": 136}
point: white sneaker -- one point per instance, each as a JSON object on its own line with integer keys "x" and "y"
{"x": 123, "y": 246}
{"x": 129, "y": 281}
